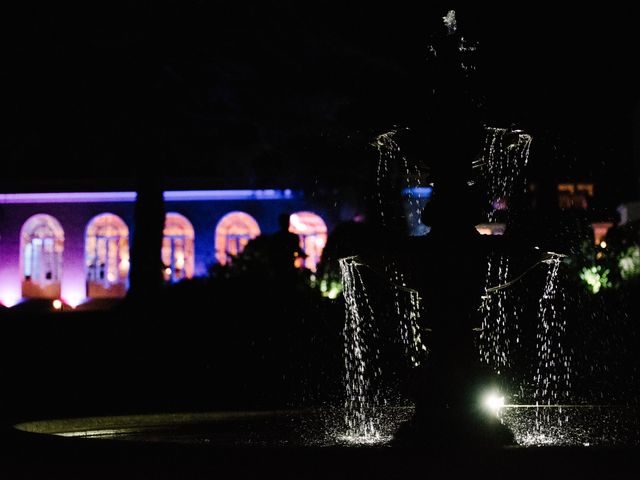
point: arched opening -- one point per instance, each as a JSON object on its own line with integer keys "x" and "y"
{"x": 107, "y": 256}
{"x": 313, "y": 237}
{"x": 233, "y": 233}
{"x": 41, "y": 247}
{"x": 177, "y": 248}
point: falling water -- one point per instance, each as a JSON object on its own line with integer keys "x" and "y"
{"x": 395, "y": 174}
{"x": 408, "y": 310}
{"x": 364, "y": 399}
{"x": 553, "y": 375}
{"x": 406, "y": 301}
{"x": 361, "y": 369}
{"x": 502, "y": 165}
{"x": 387, "y": 151}
{"x": 499, "y": 319}
{"x": 503, "y": 161}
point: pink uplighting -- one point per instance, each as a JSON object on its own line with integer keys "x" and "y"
{"x": 10, "y": 295}
{"x": 74, "y": 284}
{"x": 74, "y": 299}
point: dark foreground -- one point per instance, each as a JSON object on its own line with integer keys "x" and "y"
{"x": 29, "y": 456}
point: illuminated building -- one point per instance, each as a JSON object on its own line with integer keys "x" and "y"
{"x": 313, "y": 237}
{"x": 233, "y": 233}
{"x": 491, "y": 228}
{"x": 574, "y": 195}
{"x": 75, "y": 246}
{"x": 600, "y": 230}
{"x": 107, "y": 256}
{"x": 580, "y": 196}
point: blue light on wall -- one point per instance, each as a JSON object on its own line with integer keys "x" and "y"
{"x": 418, "y": 192}
{"x": 414, "y": 200}
{"x": 204, "y": 195}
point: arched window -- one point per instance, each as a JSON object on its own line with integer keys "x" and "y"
{"x": 177, "y": 248}
{"x": 106, "y": 250}
{"x": 313, "y": 237}
{"x": 233, "y": 232}
{"x": 41, "y": 247}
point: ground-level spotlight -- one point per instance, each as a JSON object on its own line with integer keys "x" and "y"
{"x": 57, "y": 304}
{"x": 73, "y": 299}
{"x": 493, "y": 402}
{"x": 9, "y": 299}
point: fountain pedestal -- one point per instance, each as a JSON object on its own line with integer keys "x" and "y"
{"x": 452, "y": 381}
{"x": 450, "y": 409}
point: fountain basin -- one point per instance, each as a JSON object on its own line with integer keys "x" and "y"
{"x": 533, "y": 426}
{"x": 300, "y": 444}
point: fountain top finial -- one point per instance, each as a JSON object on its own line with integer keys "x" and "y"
{"x": 450, "y": 22}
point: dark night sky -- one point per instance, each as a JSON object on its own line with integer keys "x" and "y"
{"x": 278, "y": 95}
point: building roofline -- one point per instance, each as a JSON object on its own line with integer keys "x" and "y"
{"x": 169, "y": 196}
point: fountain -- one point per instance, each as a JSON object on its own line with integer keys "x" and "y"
{"x": 440, "y": 283}
{"x": 451, "y": 377}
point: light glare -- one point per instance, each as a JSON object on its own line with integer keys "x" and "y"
{"x": 494, "y": 402}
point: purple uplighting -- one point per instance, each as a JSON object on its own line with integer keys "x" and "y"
{"x": 10, "y": 292}
{"x": 67, "y": 197}
{"x": 170, "y": 195}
